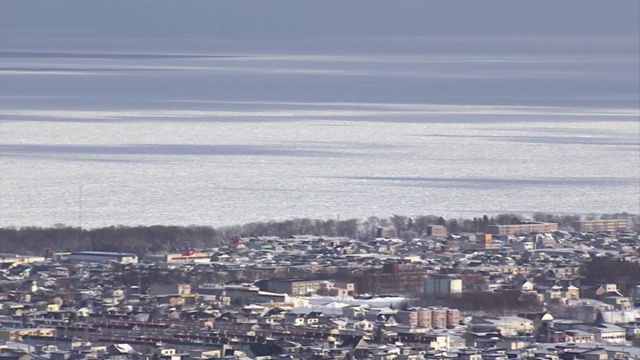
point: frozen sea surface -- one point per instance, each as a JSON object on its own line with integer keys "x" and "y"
{"x": 218, "y": 132}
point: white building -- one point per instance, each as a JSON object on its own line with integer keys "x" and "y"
{"x": 442, "y": 286}
{"x": 606, "y": 333}
{"x": 19, "y": 259}
{"x": 203, "y": 257}
{"x": 505, "y": 325}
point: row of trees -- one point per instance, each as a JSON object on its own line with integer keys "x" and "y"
{"x": 601, "y": 270}
{"x": 494, "y": 303}
{"x": 156, "y": 239}
{"x": 407, "y": 227}
{"x": 141, "y": 240}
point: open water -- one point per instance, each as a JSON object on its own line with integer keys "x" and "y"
{"x": 107, "y": 131}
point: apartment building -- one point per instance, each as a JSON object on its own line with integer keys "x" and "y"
{"x": 429, "y": 318}
{"x": 293, "y": 287}
{"x": 524, "y": 228}
{"x": 437, "y": 231}
{"x": 611, "y": 225}
{"x": 442, "y": 286}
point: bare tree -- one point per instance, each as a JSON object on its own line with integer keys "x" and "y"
{"x": 399, "y": 222}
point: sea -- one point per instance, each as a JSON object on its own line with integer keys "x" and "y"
{"x": 122, "y": 130}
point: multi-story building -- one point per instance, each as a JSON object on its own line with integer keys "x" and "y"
{"x": 600, "y": 225}
{"x": 425, "y": 318}
{"x": 293, "y": 287}
{"x": 386, "y": 232}
{"x": 408, "y": 318}
{"x": 505, "y": 325}
{"x": 429, "y": 318}
{"x": 439, "y": 318}
{"x": 437, "y": 231}
{"x": 486, "y": 242}
{"x": 442, "y": 286}
{"x": 453, "y": 318}
{"x": 339, "y": 289}
{"x": 579, "y": 337}
{"x": 605, "y": 333}
{"x": 241, "y": 294}
{"x": 524, "y": 228}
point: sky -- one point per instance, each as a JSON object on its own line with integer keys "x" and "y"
{"x": 296, "y": 18}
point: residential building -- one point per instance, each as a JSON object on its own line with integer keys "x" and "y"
{"x": 10, "y": 334}
{"x": 293, "y": 287}
{"x": 442, "y": 286}
{"x": 611, "y": 225}
{"x": 338, "y": 289}
{"x": 437, "y": 231}
{"x": 386, "y": 232}
{"x": 505, "y": 325}
{"x": 524, "y": 228}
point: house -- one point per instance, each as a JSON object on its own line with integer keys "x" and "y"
{"x": 608, "y": 289}
{"x": 619, "y": 302}
{"x": 262, "y": 351}
{"x": 538, "y": 318}
{"x": 62, "y": 343}
{"x": 364, "y": 325}
{"x": 121, "y": 352}
{"x": 526, "y": 286}
{"x": 206, "y": 354}
{"x": 355, "y": 312}
{"x": 570, "y": 292}
{"x": 356, "y": 345}
{"x": 11, "y": 354}
{"x": 469, "y": 354}
{"x": 167, "y": 353}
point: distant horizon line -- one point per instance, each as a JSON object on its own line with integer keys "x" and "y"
{"x": 519, "y": 214}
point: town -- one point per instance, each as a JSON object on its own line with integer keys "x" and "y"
{"x": 530, "y": 290}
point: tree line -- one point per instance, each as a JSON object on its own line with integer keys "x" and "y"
{"x": 495, "y": 303}
{"x": 144, "y": 240}
{"x": 601, "y": 270}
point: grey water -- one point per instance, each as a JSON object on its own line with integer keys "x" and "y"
{"x": 102, "y": 127}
